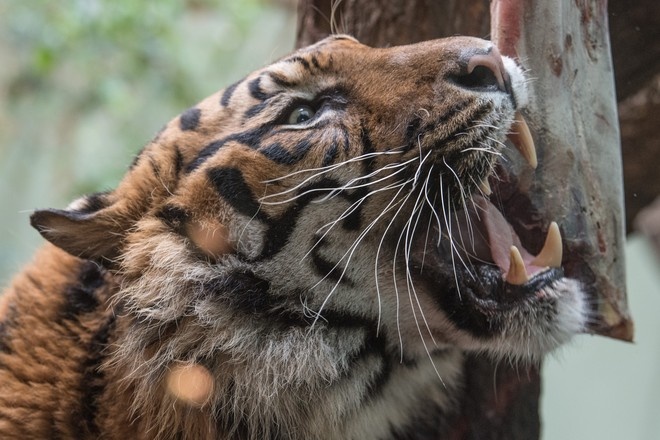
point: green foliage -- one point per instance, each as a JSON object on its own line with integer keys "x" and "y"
{"x": 84, "y": 84}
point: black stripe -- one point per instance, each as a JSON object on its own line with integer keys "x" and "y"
{"x": 206, "y": 153}
{"x": 300, "y": 60}
{"x": 155, "y": 168}
{"x": 278, "y": 154}
{"x": 178, "y": 160}
{"x": 353, "y": 221}
{"x": 315, "y": 61}
{"x": 256, "y": 109}
{"x": 251, "y": 138}
{"x": 174, "y": 217}
{"x": 281, "y": 80}
{"x": 446, "y": 117}
{"x": 189, "y": 120}
{"x": 373, "y": 346}
{"x": 280, "y": 229}
{"x": 457, "y": 305}
{"x": 367, "y": 148}
{"x": 229, "y": 91}
{"x": 81, "y": 297}
{"x": 249, "y": 294}
{"x": 7, "y": 325}
{"x": 4, "y": 338}
{"x": 330, "y": 154}
{"x": 92, "y": 384}
{"x": 470, "y": 121}
{"x": 376, "y": 345}
{"x": 94, "y": 202}
{"x": 347, "y": 139}
{"x": 325, "y": 268}
{"x": 229, "y": 183}
{"x": 254, "y": 87}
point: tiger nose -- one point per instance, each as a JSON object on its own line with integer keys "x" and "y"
{"x": 485, "y": 71}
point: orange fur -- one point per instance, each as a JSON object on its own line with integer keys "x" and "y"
{"x": 190, "y": 306}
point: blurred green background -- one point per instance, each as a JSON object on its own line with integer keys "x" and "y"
{"x": 84, "y": 84}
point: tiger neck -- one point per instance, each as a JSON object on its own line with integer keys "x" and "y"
{"x": 315, "y": 391}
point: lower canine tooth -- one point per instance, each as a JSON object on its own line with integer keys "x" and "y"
{"x": 550, "y": 255}
{"x": 522, "y": 139}
{"x": 484, "y": 186}
{"x": 517, "y": 274}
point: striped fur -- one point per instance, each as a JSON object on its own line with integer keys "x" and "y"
{"x": 282, "y": 257}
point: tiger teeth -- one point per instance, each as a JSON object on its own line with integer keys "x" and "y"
{"x": 484, "y": 186}
{"x": 521, "y": 138}
{"x": 550, "y": 255}
{"x": 517, "y": 274}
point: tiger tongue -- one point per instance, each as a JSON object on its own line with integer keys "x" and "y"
{"x": 501, "y": 237}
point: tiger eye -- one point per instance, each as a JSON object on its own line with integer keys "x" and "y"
{"x": 301, "y": 114}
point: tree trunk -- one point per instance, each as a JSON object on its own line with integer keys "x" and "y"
{"x": 392, "y": 22}
{"x": 635, "y": 30}
{"x": 501, "y": 402}
{"x": 573, "y": 116}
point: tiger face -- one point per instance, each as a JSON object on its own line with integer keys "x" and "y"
{"x": 328, "y": 228}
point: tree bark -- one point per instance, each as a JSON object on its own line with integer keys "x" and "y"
{"x": 573, "y": 115}
{"x": 635, "y": 30}
{"x": 392, "y": 22}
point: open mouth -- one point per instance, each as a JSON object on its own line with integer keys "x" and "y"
{"x": 500, "y": 245}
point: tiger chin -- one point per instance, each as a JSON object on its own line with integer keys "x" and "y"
{"x": 306, "y": 254}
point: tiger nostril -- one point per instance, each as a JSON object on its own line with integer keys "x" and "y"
{"x": 485, "y": 71}
{"x": 480, "y": 77}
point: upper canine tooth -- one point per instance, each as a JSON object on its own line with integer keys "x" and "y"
{"x": 517, "y": 274}
{"x": 550, "y": 255}
{"x": 521, "y": 138}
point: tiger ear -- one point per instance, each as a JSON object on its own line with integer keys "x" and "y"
{"x": 93, "y": 235}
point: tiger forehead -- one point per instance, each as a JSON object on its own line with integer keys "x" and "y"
{"x": 320, "y": 63}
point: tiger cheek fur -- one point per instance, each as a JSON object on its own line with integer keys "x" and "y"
{"x": 277, "y": 256}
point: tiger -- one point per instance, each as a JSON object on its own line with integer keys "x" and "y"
{"x": 309, "y": 253}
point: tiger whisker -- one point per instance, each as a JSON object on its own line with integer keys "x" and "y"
{"x": 348, "y": 255}
{"x": 378, "y": 250}
{"x": 488, "y": 150}
{"x": 328, "y": 168}
{"x": 452, "y": 245}
{"x": 396, "y": 287}
{"x": 496, "y": 141}
{"x": 349, "y": 185}
{"x": 348, "y": 211}
{"x": 458, "y": 180}
{"x": 417, "y": 211}
{"x": 334, "y": 191}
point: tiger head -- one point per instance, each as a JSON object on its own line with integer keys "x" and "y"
{"x": 341, "y": 213}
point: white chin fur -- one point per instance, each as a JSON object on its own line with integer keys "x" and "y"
{"x": 545, "y": 335}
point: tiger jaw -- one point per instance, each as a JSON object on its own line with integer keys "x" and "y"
{"x": 491, "y": 274}
{"x": 506, "y": 250}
